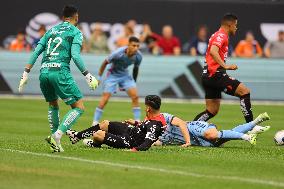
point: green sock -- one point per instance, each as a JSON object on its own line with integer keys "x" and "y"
{"x": 70, "y": 118}
{"x": 53, "y": 118}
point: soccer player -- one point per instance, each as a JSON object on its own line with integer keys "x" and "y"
{"x": 215, "y": 80}
{"x": 59, "y": 45}
{"x": 118, "y": 75}
{"x": 206, "y": 134}
{"x": 130, "y": 134}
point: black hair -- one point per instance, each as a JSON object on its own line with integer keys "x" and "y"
{"x": 229, "y": 17}
{"x": 69, "y": 11}
{"x": 153, "y": 101}
{"x": 133, "y": 39}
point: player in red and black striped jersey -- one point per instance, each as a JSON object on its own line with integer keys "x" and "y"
{"x": 215, "y": 80}
{"x": 137, "y": 136}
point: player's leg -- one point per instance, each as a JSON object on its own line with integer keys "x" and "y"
{"x": 244, "y": 94}
{"x": 234, "y": 87}
{"x": 50, "y": 96}
{"x": 212, "y": 108}
{"x": 53, "y": 116}
{"x": 132, "y": 93}
{"x": 109, "y": 87}
{"x": 115, "y": 141}
{"x": 99, "y": 110}
{"x": 223, "y": 136}
{"x": 212, "y": 98}
{"x": 129, "y": 85}
{"x": 252, "y": 127}
{"x": 67, "y": 89}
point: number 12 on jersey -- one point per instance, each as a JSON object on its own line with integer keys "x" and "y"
{"x": 58, "y": 41}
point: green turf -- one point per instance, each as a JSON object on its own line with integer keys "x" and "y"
{"x": 24, "y": 126}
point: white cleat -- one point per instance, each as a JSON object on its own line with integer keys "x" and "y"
{"x": 91, "y": 143}
{"x": 73, "y": 136}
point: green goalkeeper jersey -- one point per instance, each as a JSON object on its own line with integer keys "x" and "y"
{"x": 59, "y": 45}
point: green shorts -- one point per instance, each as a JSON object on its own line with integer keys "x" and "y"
{"x": 59, "y": 83}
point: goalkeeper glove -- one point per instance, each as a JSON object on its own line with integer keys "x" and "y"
{"x": 92, "y": 81}
{"x": 23, "y": 81}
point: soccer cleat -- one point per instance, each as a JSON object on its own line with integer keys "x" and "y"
{"x": 259, "y": 129}
{"x": 73, "y": 136}
{"x": 91, "y": 143}
{"x": 261, "y": 118}
{"x": 53, "y": 145}
{"x": 252, "y": 139}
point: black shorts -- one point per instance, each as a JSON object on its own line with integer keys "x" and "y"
{"x": 218, "y": 83}
{"x": 118, "y": 136}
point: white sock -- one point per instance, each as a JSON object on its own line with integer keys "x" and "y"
{"x": 246, "y": 137}
{"x": 257, "y": 128}
{"x": 57, "y": 136}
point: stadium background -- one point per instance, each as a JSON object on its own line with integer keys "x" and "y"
{"x": 25, "y": 161}
{"x": 185, "y": 16}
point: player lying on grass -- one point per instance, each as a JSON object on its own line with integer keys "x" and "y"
{"x": 206, "y": 134}
{"x": 137, "y": 136}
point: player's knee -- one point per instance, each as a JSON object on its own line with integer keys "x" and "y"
{"x": 242, "y": 90}
{"x": 211, "y": 134}
{"x": 99, "y": 135}
{"x": 213, "y": 111}
{"x": 104, "y": 125}
{"x": 135, "y": 98}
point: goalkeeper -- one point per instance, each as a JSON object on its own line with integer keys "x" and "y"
{"x": 59, "y": 45}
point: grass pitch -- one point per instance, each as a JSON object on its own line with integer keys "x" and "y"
{"x": 26, "y": 162}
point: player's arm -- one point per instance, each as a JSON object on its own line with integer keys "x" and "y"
{"x": 102, "y": 68}
{"x": 76, "y": 57}
{"x": 38, "y": 50}
{"x": 136, "y": 68}
{"x": 214, "y": 52}
{"x": 183, "y": 128}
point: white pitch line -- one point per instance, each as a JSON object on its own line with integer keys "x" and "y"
{"x": 168, "y": 171}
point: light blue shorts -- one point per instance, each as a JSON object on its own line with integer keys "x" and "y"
{"x": 197, "y": 130}
{"x": 112, "y": 82}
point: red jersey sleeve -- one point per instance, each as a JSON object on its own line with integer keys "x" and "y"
{"x": 219, "y": 40}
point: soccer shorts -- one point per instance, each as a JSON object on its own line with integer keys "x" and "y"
{"x": 197, "y": 130}
{"x": 118, "y": 135}
{"x": 218, "y": 83}
{"x": 113, "y": 81}
{"x": 59, "y": 83}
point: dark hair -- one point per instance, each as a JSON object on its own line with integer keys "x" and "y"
{"x": 229, "y": 17}
{"x": 153, "y": 101}
{"x": 133, "y": 39}
{"x": 69, "y": 11}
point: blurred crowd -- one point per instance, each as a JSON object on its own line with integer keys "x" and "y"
{"x": 163, "y": 42}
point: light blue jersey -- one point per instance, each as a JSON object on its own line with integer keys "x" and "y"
{"x": 196, "y": 129}
{"x": 119, "y": 61}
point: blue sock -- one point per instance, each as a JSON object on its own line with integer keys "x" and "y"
{"x": 137, "y": 113}
{"x": 98, "y": 114}
{"x": 229, "y": 134}
{"x": 244, "y": 128}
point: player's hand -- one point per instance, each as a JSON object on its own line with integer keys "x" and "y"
{"x": 23, "y": 81}
{"x": 231, "y": 67}
{"x": 186, "y": 145}
{"x": 92, "y": 81}
{"x": 130, "y": 121}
